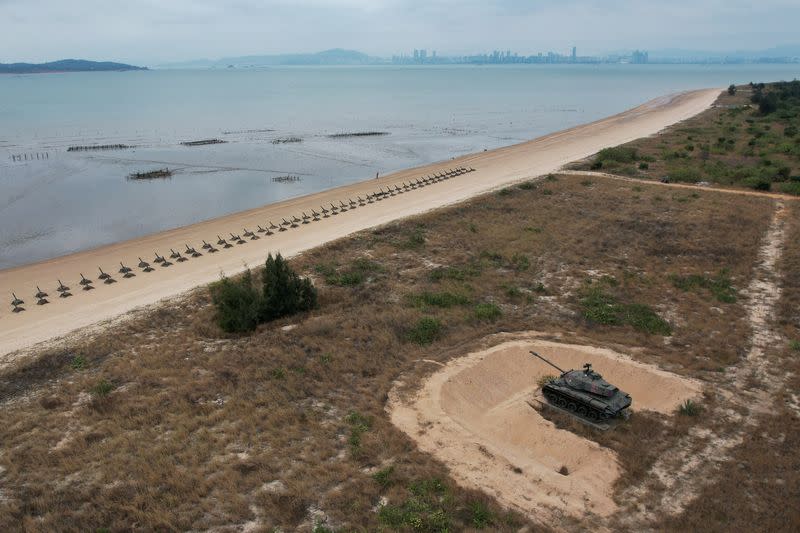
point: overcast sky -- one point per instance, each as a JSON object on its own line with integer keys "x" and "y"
{"x": 150, "y": 32}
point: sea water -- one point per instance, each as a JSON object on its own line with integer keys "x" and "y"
{"x": 64, "y": 201}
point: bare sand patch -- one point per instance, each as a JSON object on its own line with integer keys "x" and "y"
{"x": 472, "y": 414}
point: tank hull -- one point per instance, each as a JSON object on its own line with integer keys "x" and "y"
{"x": 585, "y": 404}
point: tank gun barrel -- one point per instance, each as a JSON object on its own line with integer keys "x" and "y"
{"x": 548, "y": 362}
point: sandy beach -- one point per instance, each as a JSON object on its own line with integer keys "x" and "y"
{"x": 493, "y": 169}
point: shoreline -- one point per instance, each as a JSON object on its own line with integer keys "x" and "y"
{"x": 494, "y": 169}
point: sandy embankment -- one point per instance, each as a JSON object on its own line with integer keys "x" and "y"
{"x": 473, "y": 415}
{"x": 494, "y": 169}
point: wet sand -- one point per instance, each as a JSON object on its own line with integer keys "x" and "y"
{"x": 494, "y": 169}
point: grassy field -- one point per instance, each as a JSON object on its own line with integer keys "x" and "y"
{"x": 164, "y": 422}
{"x": 737, "y": 143}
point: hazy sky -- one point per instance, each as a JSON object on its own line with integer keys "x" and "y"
{"x": 154, "y": 31}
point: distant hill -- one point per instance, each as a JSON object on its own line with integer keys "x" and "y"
{"x": 65, "y": 65}
{"x": 336, "y": 56}
{"x": 777, "y": 52}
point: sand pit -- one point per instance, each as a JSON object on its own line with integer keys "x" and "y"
{"x": 472, "y": 414}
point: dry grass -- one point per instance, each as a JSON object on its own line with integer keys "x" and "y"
{"x": 199, "y": 426}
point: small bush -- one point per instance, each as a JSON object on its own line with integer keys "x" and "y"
{"x": 757, "y": 183}
{"x": 527, "y": 186}
{"x": 792, "y": 187}
{"x": 688, "y": 175}
{"x": 425, "y": 331}
{"x": 438, "y": 299}
{"x": 284, "y": 292}
{"x": 644, "y": 166}
{"x": 619, "y": 154}
{"x": 238, "y": 304}
{"x": 359, "y": 424}
{"x": 357, "y": 273}
{"x": 602, "y": 308}
{"x": 689, "y": 408}
{"x": 240, "y": 307}
{"x": 416, "y": 239}
{"x": 644, "y": 318}
{"x": 719, "y": 286}
{"x": 460, "y": 273}
{"x": 480, "y": 516}
{"x": 520, "y": 262}
{"x": 101, "y": 389}
{"x": 383, "y": 477}
{"x": 487, "y": 311}
{"x": 424, "y": 509}
{"x": 794, "y": 345}
{"x": 78, "y": 363}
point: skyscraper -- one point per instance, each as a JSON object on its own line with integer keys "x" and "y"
{"x": 574, "y": 53}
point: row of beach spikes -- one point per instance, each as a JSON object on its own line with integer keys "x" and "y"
{"x": 325, "y": 212}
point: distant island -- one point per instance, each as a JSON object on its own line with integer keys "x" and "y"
{"x": 66, "y": 65}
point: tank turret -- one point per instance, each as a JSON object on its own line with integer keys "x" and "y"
{"x": 585, "y": 393}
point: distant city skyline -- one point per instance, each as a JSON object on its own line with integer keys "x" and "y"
{"x": 149, "y": 32}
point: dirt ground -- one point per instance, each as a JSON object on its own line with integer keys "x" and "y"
{"x": 162, "y": 420}
{"x": 474, "y": 415}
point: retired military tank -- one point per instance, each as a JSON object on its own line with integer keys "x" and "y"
{"x": 585, "y": 393}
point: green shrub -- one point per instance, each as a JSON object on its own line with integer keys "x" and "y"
{"x": 757, "y": 183}
{"x": 424, "y": 510}
{"x": 602, "y": 308}
{"x": 527, "y": 186}
{"x": 78, "y": 363}
{"x": 425, "y": 331}
{"x": 357, "y": 273}
{"x": 437, "y": 299}
{"x": 240, "y": 307}
{"x": 487, "y": 311}
{"x": 791, "y": 187}
{"x": 720, "y": 285}
{"x": 383, "y": 477}
{"x": 644, "y": 318}
{"x": 480, "y": 516}
{"x": 237, "y": 303}
{"x": 644, "y": 166}
{"x": 359, "y": 424}
{"x": 460, "y": 273}
{"x": 684, "y": 174}
{"x": 101, "y": 389}
{"x": 284, "y": 292}
{"x": 689, "y": 408}
{"x": 794, "y": 345}
{"x": 520, "y": 262}
{"x": 619, "y": 154}
{"x": 416, "y": 239}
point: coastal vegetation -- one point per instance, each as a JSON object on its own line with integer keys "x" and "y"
{"x": 749, "y": 139}
{"x": 241, "y": 306}
{"x": 286, "y": 426}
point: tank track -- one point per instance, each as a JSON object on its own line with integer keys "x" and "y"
{"x": 574, "y": 406}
